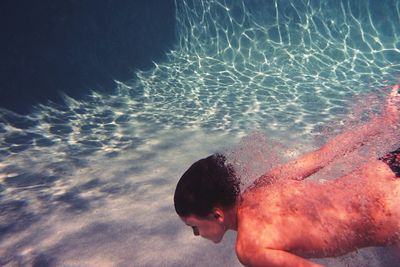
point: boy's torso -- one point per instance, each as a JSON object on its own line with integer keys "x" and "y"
{"x": 313, "y": 219}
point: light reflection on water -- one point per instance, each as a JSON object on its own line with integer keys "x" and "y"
{"x": 91, "y": 182}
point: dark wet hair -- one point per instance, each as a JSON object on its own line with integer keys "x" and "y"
{"x": 208, "y": 183}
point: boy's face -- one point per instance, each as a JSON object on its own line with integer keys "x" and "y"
{"x": 210, "y": 228}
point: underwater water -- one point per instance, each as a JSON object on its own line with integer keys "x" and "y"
{"x": 90, "y": 182}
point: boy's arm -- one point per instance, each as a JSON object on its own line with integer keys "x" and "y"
{"x": 346, "y": 142}
{"x": 274, "y": 258}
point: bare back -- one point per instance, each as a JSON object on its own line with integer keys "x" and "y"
{"x": 313, "y": 219}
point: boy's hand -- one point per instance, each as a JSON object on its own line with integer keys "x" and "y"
{"x": 392, "y": 108}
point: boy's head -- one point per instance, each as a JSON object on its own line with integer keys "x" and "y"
{"x": 208, "y": 183}
{"x": 204, "y": 193}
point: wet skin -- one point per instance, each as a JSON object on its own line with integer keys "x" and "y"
{"x": 208, "y": 228}
{"x": 313, "y": 219}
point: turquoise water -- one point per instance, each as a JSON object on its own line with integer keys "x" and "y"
{"x": 90, "y": 183}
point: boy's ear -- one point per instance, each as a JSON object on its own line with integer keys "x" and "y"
{"x": 218, "y": 215}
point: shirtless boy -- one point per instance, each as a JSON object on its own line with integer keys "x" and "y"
{"x": 283, "y": 219}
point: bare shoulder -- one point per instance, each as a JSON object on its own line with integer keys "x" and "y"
{"x": 244, "y": 245}
{"x": 253, "y": 250}
{"x": 256, "y": 221}
{"x": 248, "y": 239}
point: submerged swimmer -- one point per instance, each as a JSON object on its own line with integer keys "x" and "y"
{"x": 283, "y": 219}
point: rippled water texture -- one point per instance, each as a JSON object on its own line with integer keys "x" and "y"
{"x": 90, "y": 183}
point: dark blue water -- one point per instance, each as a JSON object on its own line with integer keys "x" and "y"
{"x": 77, "y": 46}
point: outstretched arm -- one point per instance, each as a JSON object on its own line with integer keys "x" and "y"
{"x": 346, "y": 142}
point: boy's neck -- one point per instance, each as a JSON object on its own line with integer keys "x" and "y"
{"x": 231, "y": 218}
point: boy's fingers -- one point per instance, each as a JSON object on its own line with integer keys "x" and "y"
{"x": 395, "y": 92}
